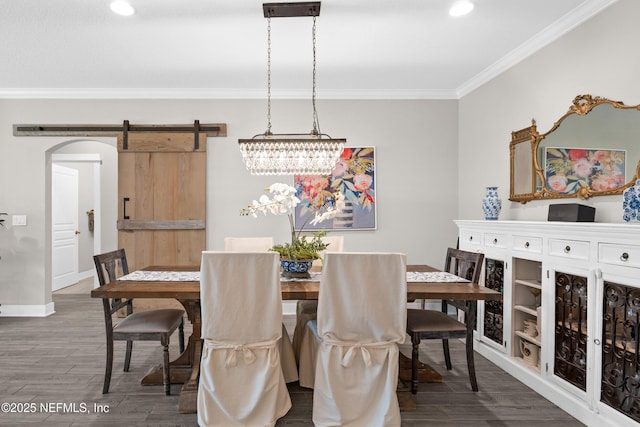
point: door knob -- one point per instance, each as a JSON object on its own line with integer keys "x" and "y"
{"x": 77, "y": 231}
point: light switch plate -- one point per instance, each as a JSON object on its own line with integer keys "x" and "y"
{"x": 19, "y": 220}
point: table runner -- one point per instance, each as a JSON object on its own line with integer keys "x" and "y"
{"x": 163, "y": 276}
{"x": 194, "y": 276}
{"x": 434, "y": 276}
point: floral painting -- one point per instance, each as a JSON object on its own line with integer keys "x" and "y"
{"x": 353, "y": 178}
{"x": 568, "y": 170}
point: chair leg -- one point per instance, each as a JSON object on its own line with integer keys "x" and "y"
{"x": 415, "y": 351}
{"x": 181, "y": 335}
{"x": 166, "y": 375}
{"x": 447, "y": 355}
{"x": 127, "y": 356}
{"x": 471, "y": 364}
{"x": 471, "y": 321}
{"x": 108, "y": 367}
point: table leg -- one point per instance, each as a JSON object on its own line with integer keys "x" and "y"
{"x": 188, "y": 402}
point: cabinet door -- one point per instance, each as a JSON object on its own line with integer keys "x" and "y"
{"x": 618, "y": 360}
{"x": 493, "y": 320}
{"x": 570, "y": 360}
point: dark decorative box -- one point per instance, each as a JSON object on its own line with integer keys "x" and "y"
{"x": 571, "y": 212}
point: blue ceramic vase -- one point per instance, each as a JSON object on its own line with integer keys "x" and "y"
{"x": 296, "y": 268}
{"x": 631, "y": 203}
{"x": 491, "y": 204}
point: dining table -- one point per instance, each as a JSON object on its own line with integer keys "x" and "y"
{"x": 182, "y": 283}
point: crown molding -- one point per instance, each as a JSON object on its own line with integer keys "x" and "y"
{"x": 553, "y": 32}
{"x": 209, "y": 93}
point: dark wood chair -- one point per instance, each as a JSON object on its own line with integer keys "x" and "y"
{"x": 433, "y": 324}
{"x": 153, "y": 325}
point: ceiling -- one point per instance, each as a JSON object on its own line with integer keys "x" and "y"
{"x": 403, "y": 49}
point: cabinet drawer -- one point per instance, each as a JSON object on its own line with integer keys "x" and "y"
{"x": 470, "y": 238}
{"x": 527, "y": 244}
{"x": 624, "y": 255}
{"x": 492, "y": 240}
{"x": 572, "y": 249}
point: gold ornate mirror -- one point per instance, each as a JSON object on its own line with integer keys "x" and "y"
{"x": 592, "y": 150}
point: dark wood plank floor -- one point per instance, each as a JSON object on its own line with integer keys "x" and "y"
{"x": 59, "y": 361}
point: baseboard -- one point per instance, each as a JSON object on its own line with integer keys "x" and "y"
{"x": 7, "y": 310}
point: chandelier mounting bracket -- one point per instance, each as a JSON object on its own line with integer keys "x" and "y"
{"x": 290, "y": 10}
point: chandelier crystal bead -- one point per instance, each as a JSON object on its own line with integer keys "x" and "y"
{"x": 302, "y": 156}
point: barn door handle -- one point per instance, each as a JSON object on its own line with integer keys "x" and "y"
{"x": 124, "y": 208}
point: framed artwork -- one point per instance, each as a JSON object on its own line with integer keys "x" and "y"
{"x": 569, "y": 169}
{"x": 354, "y": 176}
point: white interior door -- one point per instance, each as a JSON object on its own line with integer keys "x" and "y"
{"x": 64, "y": 216}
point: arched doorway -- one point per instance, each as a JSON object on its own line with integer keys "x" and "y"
{"x": 95, "y": 162}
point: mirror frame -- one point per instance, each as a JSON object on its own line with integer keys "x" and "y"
{"x": 581, "y": 105}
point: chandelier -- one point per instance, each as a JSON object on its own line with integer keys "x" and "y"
{"x": 313, "y": 153}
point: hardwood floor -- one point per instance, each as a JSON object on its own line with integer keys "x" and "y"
{"x": 59, "y": 361}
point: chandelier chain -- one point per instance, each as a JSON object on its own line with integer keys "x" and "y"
{"x": 316, "y": 126}
{"x": 268, "y": 132}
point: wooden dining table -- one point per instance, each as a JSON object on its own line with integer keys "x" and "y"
{"x": 185, "y": 369}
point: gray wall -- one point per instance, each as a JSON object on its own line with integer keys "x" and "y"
{"x": 599, "y": 57}
{"x": 416, "y": 148}
{"x": 434, "y": 158}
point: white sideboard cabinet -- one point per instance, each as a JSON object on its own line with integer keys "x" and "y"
{"x": 569, "y": 320}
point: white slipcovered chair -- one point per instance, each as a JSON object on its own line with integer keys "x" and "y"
{"x": 264, "y": 244}
{"x": 307, "y": 309}
{"x": 241, "y": 381}
{"x": 248, "y": 244}
{"x": 349, "y": 355}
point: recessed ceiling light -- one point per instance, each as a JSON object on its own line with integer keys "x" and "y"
{"x": 460, "y": 8}
{"x": 122, "y": 8}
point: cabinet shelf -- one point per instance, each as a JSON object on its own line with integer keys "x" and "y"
{"x": 529, "y": 309}
{"x": 532, "y": 283}
{"x": 529, "y": 338}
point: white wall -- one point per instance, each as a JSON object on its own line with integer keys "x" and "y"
{"x": 599, "y": 57}
{"x": 416, "y": 146}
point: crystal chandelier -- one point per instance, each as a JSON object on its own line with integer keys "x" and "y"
{"x": 313, "y": 153}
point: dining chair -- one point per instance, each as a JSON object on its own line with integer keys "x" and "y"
{"x": 349, "y": 354}
{"x": 264, "y": 244}
{"x": 152, "y": 325}
{"x": 434, "y": 324}
{"x": 248, "y": 244}
{"x": 307, "y": 309}
{"x": 241, "y": 380}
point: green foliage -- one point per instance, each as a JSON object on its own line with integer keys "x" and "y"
{"x": 301, "y": 248}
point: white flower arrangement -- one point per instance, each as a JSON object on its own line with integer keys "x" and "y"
{"x": 283, "y": 201}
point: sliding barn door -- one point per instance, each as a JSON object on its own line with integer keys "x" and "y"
{"x": 162, "y": 197}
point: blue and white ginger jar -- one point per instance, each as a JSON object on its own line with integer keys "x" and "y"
{"x": 491, "y": 204}
{"x": 631, "y": 203}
